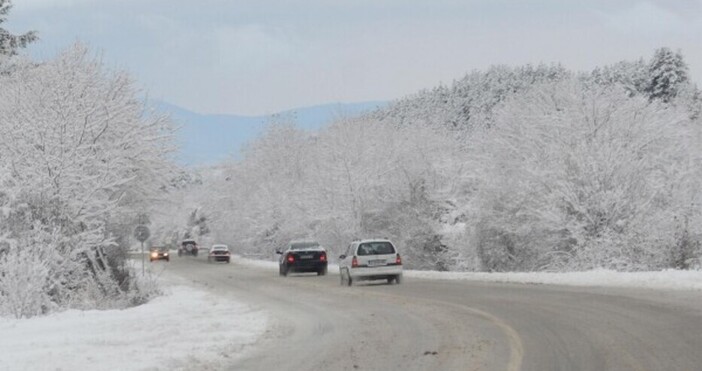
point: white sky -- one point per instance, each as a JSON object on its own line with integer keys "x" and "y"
{"x": 263, "y": 56}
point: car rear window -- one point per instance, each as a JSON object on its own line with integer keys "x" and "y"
{"x": 303, "y": 245}
{"x": 375, "y": 248}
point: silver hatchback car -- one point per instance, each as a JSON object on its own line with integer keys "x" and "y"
{"x": 372, "y": 259}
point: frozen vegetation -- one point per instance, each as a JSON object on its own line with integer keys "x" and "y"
{"x": 79, "y": 159}
{"x": 533, "y": 168}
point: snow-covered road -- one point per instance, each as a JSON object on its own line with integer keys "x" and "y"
{"x": 243, "y": 316}
{"x": 429, "y": 324}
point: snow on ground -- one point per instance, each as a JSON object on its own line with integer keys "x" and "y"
{"x": 185, "y": 329}
{"x": 668, "y": 279}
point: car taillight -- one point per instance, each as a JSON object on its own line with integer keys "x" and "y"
{"x": 398, "y": 260}
{"x": 354, "y": 262}
{"x": 291, "y": 259}
{"x": 323, "y": 257}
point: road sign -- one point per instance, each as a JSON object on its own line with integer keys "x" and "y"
{"x": 142, "y": 233}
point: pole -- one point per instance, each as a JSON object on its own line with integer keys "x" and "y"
{"x": 142, "y": 258}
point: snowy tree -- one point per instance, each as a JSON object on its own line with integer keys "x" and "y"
{"x": 584, "y": 177}
{"x": 667, "y": 72}
{"x": 81, "y": 158}
{"x": 9, "y": 43}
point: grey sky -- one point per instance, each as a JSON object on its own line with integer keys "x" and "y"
{"x": 258, "y": 56}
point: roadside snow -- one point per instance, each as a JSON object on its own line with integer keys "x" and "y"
{"x": 668, "y": 279}
{"x": 185, "y": 329}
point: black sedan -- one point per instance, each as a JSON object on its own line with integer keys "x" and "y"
{"x": 302, "y": 257}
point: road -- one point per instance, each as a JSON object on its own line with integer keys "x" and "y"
{"x": 442, "y": 325}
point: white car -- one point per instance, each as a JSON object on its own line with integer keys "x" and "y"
{"x": 375, "y": 259}
{"x": 219, "y": 253}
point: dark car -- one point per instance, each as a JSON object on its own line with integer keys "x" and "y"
{"x": 303, "y": 256}
{"x": 159, "y": 253}
{"x": 219, "y": 253}
{"x": 188, "y": 247}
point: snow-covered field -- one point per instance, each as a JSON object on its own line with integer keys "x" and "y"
{"x": 184, "y": 329}
{"x": 667, "y": 280}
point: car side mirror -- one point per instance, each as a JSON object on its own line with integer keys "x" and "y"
{"x": 342, "y": 257}
{"x": 278, "y": 252}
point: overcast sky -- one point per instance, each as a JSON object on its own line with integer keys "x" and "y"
{"x": 259, "y": 57}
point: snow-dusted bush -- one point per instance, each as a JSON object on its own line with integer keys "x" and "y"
{"x": 24, "y": 283}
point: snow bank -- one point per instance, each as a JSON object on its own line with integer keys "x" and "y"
{"x": 184, "y": 329}
{"x": 668, "y": 279}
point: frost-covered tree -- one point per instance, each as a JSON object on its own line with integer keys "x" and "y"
{"x": 9, "y": 43}
{"x": 667, "y": 73}
{"x": 584, "y": 177}
{"x": 80, "y": 159}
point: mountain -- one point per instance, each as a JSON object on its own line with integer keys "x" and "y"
{"x": 205, "y": 139}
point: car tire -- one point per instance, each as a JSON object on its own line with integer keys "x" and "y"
{"x": 229, "y": 261}
{"x": 348, "y": 279}
{"x": 322, "y": 272}
{"x": 398, "y": 279}
{"x": 284, "y": 272}
{"x": 390, "y": 280}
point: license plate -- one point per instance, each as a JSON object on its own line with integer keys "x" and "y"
{"x": 375, "y": 263}
{"x": 306, "y": 256}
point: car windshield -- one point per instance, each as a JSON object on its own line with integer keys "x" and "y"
{"x": 303, "y": 245}
{"x": 375, "y": 248}
{"x": 223, "y": 248}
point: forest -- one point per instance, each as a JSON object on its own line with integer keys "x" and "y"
{"x": 528, "y": 168}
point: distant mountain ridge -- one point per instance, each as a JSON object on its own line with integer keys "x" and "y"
{"x": 205, "y": 139}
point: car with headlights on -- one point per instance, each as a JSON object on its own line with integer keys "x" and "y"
{"x": 159, "y": 253}
{"x": 301, "y": 257}
{"x": 219, "y": 253}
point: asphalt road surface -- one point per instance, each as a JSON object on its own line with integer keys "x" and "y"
{"x": 316, "y": 324}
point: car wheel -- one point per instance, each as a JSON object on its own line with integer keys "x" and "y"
{"x": 228, "y": 261}
{"x": 322, "y": 272}
{"x": 285, "y": 272}
{"x": 349, "y": 280}
{"x": 390, "y": 279}
{"x": 398, "y": 279}
{"x": 341, "y": 278}
{"x": 168, "y": 259}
